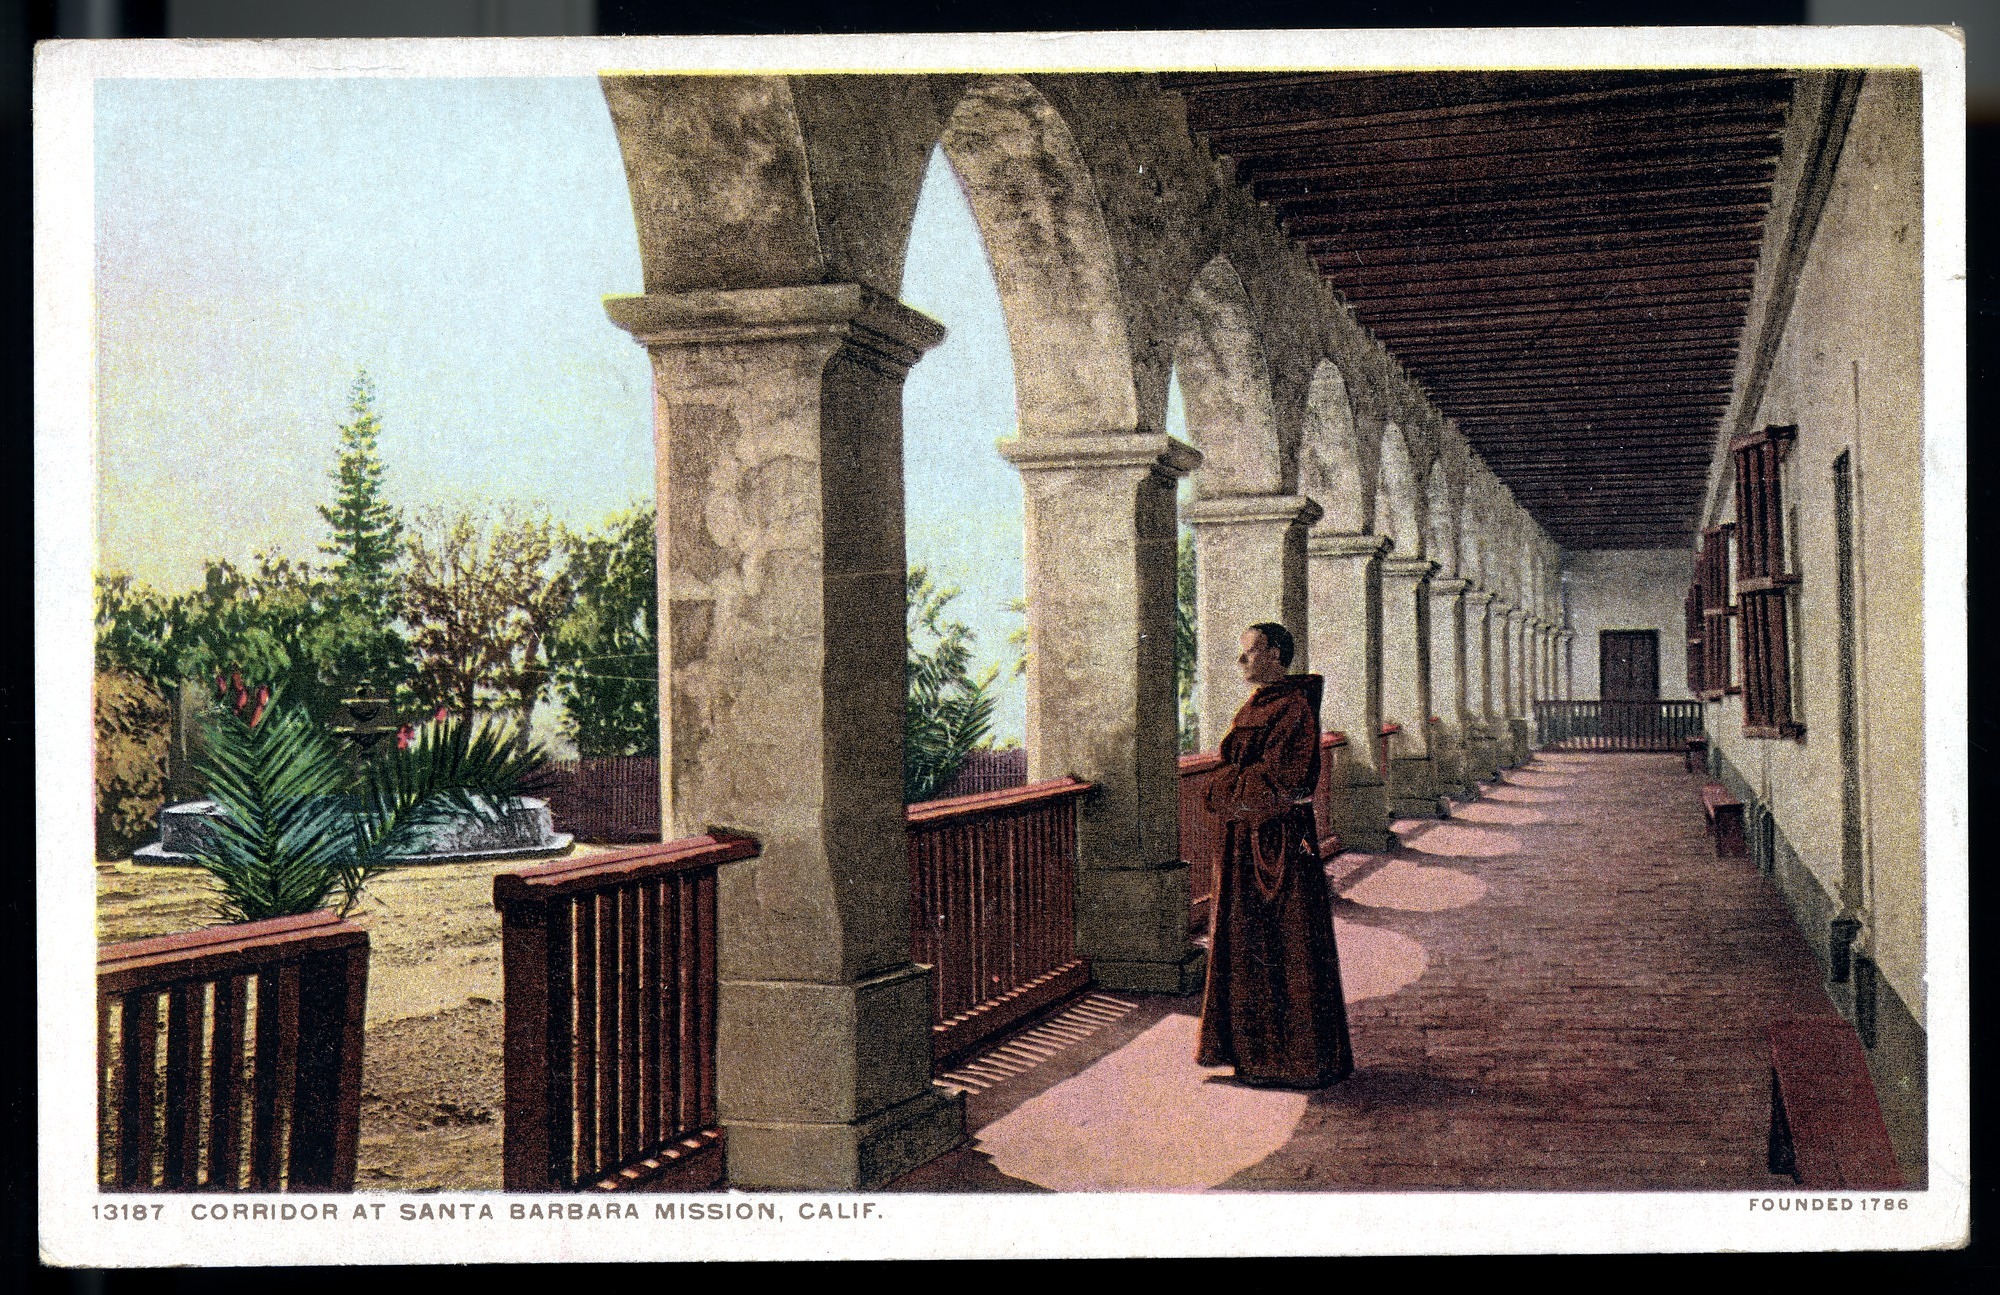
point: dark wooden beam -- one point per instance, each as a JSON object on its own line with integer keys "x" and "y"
{"x": 1332, "y": 252}
{"x": 1283, "y": 97}
{"x": 1502, "y": 436}
{"x": 1661, "y": 319}
{"x": 1334, "y": 215}
{"x": 1406, "y": 233}
{"x": 1609, "y": 363}
{"x": 1557, "y": 350}
{"x": 1548, "y": 271}
{"x": 1569, "y": 298}
{"x": 1636, "y": 184}
{"x": 1583, "y": 380}
{"x": 1721, "y": 95}
{"x": 1355, "y": 168}
{"x": 1514, "y": 447}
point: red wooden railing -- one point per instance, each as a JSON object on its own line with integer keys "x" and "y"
{"x": 610, "y": 975}
{"x": 992, "y": 908}
{"x": 1201, "y": 831}
{"x": 1382, "y": 756}
{"x": 253, "y": 1079}
{"x": 1201, "y": 835}
{"x": 1329, "y": 840}
{"x": 1617, "y": 725}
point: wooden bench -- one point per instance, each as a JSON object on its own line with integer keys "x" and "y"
{"x": 1725, "y": 820}
{"x": 1826, "y": 1126}
{"x": 1697, "y": 755}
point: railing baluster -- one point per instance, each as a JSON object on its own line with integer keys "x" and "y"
{"x": 631, "y": 1027}
{"x": 628, "y": 1026}
{"x": 992, "y": 906}
{"x": 586, "y": 1036}
{"x": 139, "y": 1038}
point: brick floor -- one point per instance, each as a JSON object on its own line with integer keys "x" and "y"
{"x": 1595, "y": 1020}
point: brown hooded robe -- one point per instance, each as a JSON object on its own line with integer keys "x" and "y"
{"x": 1273, "y": 1006}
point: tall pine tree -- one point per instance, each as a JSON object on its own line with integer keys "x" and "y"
{"x": 367, "y": 651}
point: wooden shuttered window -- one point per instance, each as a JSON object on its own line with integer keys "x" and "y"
{"x": 1762, "y": 584}
{"x": 1711, "y": 594}
{"x": 1697, "y": 666}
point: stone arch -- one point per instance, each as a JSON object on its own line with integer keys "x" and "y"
{"x": 1225, "y": 381}
{"x": 1331, "y": 471}
{"x": 1043, "y": 225}
{"x": 1397, "y": 508}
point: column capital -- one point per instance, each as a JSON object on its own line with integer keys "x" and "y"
{"x": 1349, "y": 546}
{"x": 1510, "y": 611}
{"x": 1238, "y": 510}
{"x": 1409, "y": 568}
{"x": 1453, "y": 588}
{"x": 881, "y": 328}
{"x": 1478, "y": 597}
{"x": 1155, "y": 451}
{"x": 1566, "y": 634}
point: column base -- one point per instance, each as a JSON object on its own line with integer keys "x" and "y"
{"x": 1522, "y": 738}
{"x": 1448, "y": 749}
{"x": 1360, "y": 812}
{"x": 1132, "y": 923}
{"x": 829, "y": 1085}
{"x": 1413, "y": 787}
{"x": 850, "y": 1157}
{"x": 1184, "y": 976}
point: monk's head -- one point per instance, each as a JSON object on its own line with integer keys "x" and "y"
{"x": 1267, "y": 650}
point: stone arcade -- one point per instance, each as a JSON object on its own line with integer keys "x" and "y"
{"x": 1433, "y": 562}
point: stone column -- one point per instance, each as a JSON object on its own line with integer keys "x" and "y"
{"x": 1250, "y": 554}
{"x": 1448, "y": 684}
{"x": 1344, "y": 625}
{"x": 1406, "y": 685}
{"x": 1500, "y": 659}
{"x": 1545, "y": 644}
{"x": 1565, "y": 670}
{"x": 778, "y": 440}
{"x": 1537, "y": 668}
{"x": 1100, "y": 540}
{"x": 1480, "y": 765}
{"x": 1520, "y": 729}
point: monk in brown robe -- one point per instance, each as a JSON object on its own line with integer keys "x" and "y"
{"x": 1273, "y": 1006}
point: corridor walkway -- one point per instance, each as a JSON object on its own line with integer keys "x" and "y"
{"x": 1559, "y": 988}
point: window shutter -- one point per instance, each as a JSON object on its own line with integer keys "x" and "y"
{"x": 1761, "y": 583}
{"x": 1716, "y": 611}
{"x": 1697, "y": 668}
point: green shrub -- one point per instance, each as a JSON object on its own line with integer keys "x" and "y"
{"x": 132, "y": 731}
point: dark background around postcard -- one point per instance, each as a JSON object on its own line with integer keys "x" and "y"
{"x": 22, "y": 22}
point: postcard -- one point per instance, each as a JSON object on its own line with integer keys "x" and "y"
{"x": 1102, "y": 644}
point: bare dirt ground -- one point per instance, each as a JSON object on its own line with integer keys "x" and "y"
{"x": 431, "y": 1097}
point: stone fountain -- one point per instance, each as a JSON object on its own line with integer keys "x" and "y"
{"x": 519, "y": 827}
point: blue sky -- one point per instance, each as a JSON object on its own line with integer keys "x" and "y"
{"x": 259, "y": 240}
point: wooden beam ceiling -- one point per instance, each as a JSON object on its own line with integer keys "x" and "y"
{"x": 1562, "y": 259}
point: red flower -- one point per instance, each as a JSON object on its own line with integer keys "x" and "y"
{"x": 442, "y": 715}
{"x": 404, "y": 736}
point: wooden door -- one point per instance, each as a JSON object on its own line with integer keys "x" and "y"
{"x": 1628, "y": 665}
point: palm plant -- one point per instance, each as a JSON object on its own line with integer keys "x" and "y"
{"x": 948, "y": 711}
{"x": 299, "y": 823}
